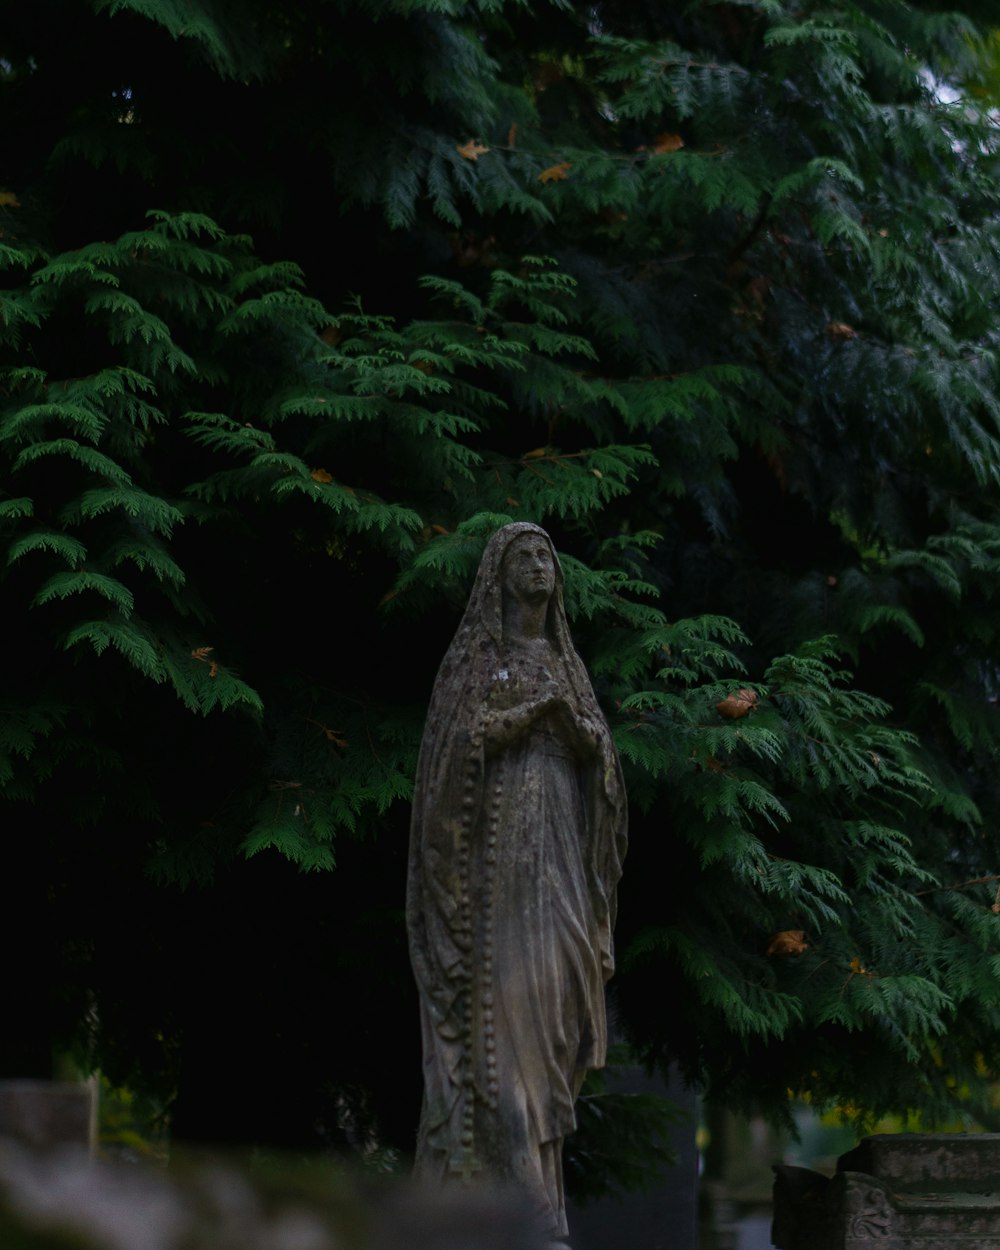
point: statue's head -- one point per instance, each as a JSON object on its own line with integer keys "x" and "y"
{"x": 528, "y": 569}
{"x": 519, "y": 561}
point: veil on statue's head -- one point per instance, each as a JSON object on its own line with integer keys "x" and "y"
{"x": 484, "y": 610}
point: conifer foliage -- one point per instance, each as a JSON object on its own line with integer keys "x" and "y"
{"x": 298, "y": 304}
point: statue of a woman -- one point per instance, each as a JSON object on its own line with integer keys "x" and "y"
{"x": 516, "y": 846}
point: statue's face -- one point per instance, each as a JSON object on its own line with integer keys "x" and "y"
{"x": 529, "y": 573}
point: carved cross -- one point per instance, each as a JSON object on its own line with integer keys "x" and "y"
{"x": 464, "y": 1165}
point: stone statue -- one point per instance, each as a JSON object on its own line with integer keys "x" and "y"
{"x": 518, "y": 834}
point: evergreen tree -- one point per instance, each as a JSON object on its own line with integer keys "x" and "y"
{"x": 300, "y": 303}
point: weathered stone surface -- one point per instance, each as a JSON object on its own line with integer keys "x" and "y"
{"x": 44, "y": 1114}
{"x": 937, "y": 1160}
{"x": 517, "y": 840}
{"x": 900, "y": 1191}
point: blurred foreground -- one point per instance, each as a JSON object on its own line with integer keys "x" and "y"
{"x": 66, "y": 1200}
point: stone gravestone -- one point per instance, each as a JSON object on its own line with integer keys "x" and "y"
{"x": 48, "y": 1114}
{"x": 663, "y": 1215}
{"x": 517, "y": 839}
{"x": 895, "y": 1191}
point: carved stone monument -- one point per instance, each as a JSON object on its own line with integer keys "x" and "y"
{"x": 517, "y": 840}
{"x": 895, "y": 1191}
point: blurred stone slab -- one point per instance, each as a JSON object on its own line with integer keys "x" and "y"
{"x": 895, "y": 1191}
{"x": 56, "y": 1199}
{"x": 46, "y": 1114}
{"x": 937, "y": 1160}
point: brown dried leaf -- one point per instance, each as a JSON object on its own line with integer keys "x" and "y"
{"x": 9, "y": 200}
{"x": 440, "y": 529}
{"x": 733, "y": 706}
{"x": 471, "y": 249}
{"x": 666, "y": 142}
{"x": 556, "y": 173}
{"x": 472, "y": 150}
{"x": 335, "y": 736}
{"x": 321, "y": 475}
{"x": 202, "y": 653}
{"x": 537, "y": 454}
{"x": 788, "y": 942}
{"x": 547, "y": 74}
{"x": 331, "y": 335}
{"x": 512, "y": 135}
{"x": 840, "y": 331}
